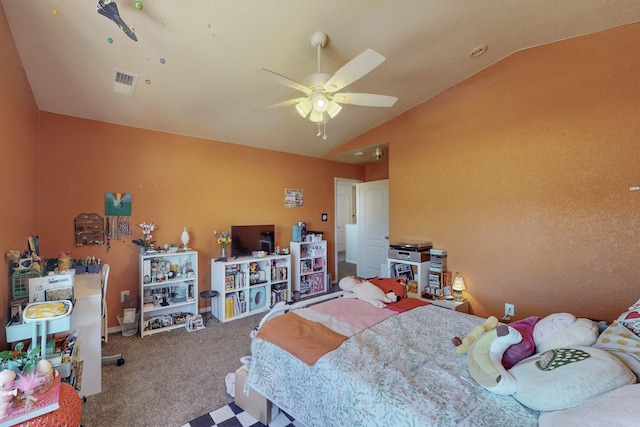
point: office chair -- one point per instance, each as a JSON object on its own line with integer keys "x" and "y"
{"x": 104, "y": 280}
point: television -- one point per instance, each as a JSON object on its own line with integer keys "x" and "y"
{"x": 248, "y": 238}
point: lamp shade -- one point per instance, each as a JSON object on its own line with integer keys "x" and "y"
{"x": 333, "y": 109}
{"x": 304, "y": 107}
{"x": 316, "y": 116}
{"x": 458, "y": 284}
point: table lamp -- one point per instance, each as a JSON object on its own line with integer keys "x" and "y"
{"x": 458, "y": 287}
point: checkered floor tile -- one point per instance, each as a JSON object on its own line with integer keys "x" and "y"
{"x": 232, "y": 416}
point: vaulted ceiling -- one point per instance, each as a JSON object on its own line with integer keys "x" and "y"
{"x": 195, "y": 63}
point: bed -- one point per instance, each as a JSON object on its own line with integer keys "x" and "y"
{"x": 399, "y": 370}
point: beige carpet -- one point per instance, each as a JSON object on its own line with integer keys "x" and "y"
{"x": 168, "y": 378}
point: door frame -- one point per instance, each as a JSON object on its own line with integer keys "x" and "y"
{"x": 337, "y": 180}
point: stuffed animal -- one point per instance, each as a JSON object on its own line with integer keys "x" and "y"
{"x": 366, "y": 291}
{"x": 484, "y": 359}
{"x": 464, "y": 343}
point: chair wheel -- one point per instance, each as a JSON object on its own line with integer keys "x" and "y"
{"x": 120, "y": 362}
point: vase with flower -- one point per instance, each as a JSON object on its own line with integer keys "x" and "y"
{"x": 145, "y": 243}
{"x": 223, "y": 239}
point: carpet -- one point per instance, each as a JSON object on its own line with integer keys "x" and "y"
{"x": 233, "y": 416}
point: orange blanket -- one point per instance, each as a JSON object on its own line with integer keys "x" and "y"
{"x": 306, "y": 340}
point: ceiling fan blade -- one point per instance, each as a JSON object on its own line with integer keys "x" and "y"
{"x": 365, "y": 99}
{"x": 353, "y": 70}
{"x": 286, "y": 81}
{"x": 282, "y": 104}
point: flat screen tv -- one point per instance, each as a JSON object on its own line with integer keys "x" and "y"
{"x": 248, "y": 238}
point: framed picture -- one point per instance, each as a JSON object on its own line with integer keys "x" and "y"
{"x": 293, "y": 198}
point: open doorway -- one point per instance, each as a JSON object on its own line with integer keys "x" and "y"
{"x": 346, "y": 238}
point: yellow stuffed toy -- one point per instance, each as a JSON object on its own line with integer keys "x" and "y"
{"x": 465, "y": 343}
{"x": 484, "y": 360}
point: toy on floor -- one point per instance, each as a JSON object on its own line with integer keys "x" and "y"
{"x": 366, "y": 291}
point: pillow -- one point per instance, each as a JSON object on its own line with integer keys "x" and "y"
{"x": 631, "y": 318}
{"x": 524, "y": 348}
{"x": 582, "y": 332}
{"x": 566, "y": 377}
{"x": 395, "y": 285}
{"x": 615, "y": 408}
{"x": 621, "y": 342}
{"x": 551, "y": 325}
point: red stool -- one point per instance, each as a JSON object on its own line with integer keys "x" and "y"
{"x": 68, "y": 415}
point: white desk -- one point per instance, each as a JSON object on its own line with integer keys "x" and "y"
{"x": 86, "y": 318}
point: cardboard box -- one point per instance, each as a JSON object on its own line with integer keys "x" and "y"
{"x": 254, "y": 404}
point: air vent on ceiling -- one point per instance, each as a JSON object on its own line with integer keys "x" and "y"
{"x": 124, "y": 82}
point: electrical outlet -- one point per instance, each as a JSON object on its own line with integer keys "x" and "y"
{"x": 123, "y": 295}
{"x": 509, "y": 309}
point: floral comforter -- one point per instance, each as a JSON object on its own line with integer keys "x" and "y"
{"x": 403, "y": 371}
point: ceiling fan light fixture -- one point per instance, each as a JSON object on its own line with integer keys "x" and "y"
{"x": 333, "y": 109}
{"x": 304, "y": 108}
{"x": 320, "y": 102}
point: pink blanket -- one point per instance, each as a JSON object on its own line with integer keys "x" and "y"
{"x": 322, "y": 327}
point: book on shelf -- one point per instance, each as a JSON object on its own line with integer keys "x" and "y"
{"x": 229, "y": 282}
{"x": 48, "y": 401}
{"x": 229, "y": 307}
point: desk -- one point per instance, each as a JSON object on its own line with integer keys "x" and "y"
{"x": 86, "y": 317}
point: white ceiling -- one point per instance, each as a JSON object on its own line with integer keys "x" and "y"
{"x": 208, "y": 85}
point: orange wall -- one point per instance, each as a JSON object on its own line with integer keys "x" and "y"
{"x": 19, "y": 171}
{"x": 522, "y": 173}
{"x": 175, "y": 182}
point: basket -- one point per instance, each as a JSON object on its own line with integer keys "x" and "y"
{"x": 20, "y": 283}
{"x": 128, "y": 329}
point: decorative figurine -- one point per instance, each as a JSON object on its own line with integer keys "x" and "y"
{"x": 7, "y": 391}
{"x": 185, "y": 238}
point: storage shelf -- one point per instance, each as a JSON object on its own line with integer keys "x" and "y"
{"x": 171, "y": 305}
{"x": 185, "y": 266}
{"x": 246, "y": 298}
{"x": 310, "y": 262}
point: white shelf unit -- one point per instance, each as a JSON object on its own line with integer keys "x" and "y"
{"x": 309, "y": 267}
{"x": 168, "y": 290}
{"x": 249, "y": 285}
{"x": 419, "y": 272}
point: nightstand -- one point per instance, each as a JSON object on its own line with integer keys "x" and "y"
{"x": 462, "y": 306}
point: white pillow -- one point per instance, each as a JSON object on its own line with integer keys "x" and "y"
{"x": 616, "y": 408}
{"x": 582, "y": 332}
{"x": 567, "y": 377}
{"x": 621, "y": 342}
{"x": 551, "y": 325}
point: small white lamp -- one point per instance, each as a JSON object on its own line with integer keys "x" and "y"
{"x": 458, "y": 287}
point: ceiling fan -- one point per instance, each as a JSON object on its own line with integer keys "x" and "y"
{"x": 322, "y": 97}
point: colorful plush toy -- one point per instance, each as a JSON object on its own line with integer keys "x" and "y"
{"x": 366, "y": 291}
{"x": 464, "y": 343}
{"x": 484, "y": 359}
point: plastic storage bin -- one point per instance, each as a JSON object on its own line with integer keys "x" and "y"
{"x": 128, "y": 329}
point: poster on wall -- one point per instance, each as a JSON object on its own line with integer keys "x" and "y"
{"x": 117, "y": 204}
{"x": 293, "y": 198}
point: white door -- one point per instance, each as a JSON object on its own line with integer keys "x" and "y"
{"x": 343, "y": 213}
{"x": 372, "y": 210}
